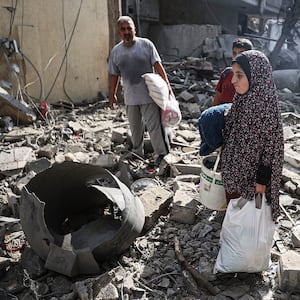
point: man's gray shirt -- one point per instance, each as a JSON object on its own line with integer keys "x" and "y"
{"x": 131, "y": 63}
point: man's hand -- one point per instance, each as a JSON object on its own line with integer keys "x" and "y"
{"x": 113, "y": 102}
{"x": 113, "y": 87}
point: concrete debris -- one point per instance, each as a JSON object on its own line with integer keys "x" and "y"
{"x": 47, "y": 238}
{"x": 287, "y": 78}
{"x": 15, "y": 158}
{"x": 288, "y": 274}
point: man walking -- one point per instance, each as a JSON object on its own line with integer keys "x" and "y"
{"x": 129, "y": 60}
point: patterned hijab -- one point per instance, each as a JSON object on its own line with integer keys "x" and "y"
{"x": 253, "y": 134}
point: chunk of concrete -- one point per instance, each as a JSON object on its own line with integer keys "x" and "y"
{"x": 186, "y": 96}
{"x": 290, "y": 187}
{"x": 296, "y": 236}
{"x": 15, "y": 158}
{"x": 119, "y": 135}
{"x": 289, "y": 270}
{"x": 287, "y": 78}
{"x": 38, "y": 165}
{"x": 291, "y": 156}
{"x": 183, "y": 209}
{"x": 48, "y": 151}
{"x": 107, "y": 160}
{"x": 156, "y": 201}
{"x": 184, "y": 169}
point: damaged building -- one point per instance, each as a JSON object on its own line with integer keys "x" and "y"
{"x": 81, "y": 217}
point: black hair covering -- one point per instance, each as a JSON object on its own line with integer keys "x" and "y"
{"x": 243, "y": 61}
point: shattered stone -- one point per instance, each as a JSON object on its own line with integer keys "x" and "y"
{"x": 15, "y": 158}
{"x": 289, "y": 270}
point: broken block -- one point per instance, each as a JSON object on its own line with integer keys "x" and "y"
{"x": 289, "y": 270}
{"x": 183, "y": 209}
{"x": 15, "y": 158}
{"x": 119, "y": 135}
{"x": 186, "y": 96}
{"x": 184, "y": 169}
{"x": 296, "y": 236}
{"x": 156, "y": 201}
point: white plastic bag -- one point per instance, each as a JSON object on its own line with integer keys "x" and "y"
{"x": 171, "y": 115}
{"x": 246, "y": 237}
{"x": 158, "y": 89}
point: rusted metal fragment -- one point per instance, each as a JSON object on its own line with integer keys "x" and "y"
{"x": 78, "y": 215}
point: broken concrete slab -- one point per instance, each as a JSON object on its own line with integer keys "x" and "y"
{"x": 186, "y": 96}
{"x": 184, "y": 169}
{"x": 289, "y": 270}
{"x": 48, "y": 151}
{"x": 290, "y": 187}
{"x": 296, "y": 236}
{"x": 13, "y": 201}
{"x": 107, "y": 160}
{"x": 16, "y": 158}
{"x": 288, "y": 78}
{"x": 119, "y": 135}
{"x": 100, "y": 287}
{"x": 19, "y": 112}
{"x": 156, "y": 201}
{"x": 290, "y": 175}
{"x": 184, "y": 206}
{"x": 38, "y": 165}
{"x": 291, "y": 156}
{"x": 17, "y": 134}
{"x": 190, "y": 110}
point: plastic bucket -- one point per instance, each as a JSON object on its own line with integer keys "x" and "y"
{"x": 211, "y": 191}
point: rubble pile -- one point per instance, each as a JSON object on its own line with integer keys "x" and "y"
{"x": 174, "y": 256}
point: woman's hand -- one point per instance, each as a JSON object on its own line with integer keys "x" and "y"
{"x": 260, "y": 188}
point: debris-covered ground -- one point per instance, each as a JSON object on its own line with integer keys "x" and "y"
{"x": 179, "y": 228}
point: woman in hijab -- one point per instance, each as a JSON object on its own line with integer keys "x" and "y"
{"x": 252, "y": 153}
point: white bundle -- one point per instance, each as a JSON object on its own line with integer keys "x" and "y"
{"x": 158, "y": 89}
{"x": 171, "y": 116}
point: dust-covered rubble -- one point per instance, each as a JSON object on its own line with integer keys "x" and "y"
{"x": 150, "y": 268}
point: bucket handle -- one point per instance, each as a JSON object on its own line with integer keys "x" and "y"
{"x": 216, "y": 165}
{"x": 216, "y": 162}
{"x": 214, "y": 171}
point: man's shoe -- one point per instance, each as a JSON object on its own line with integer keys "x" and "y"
{"x": 159, "y": 160}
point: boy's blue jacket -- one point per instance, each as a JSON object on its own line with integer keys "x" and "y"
{"x": 211, "y": 123}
